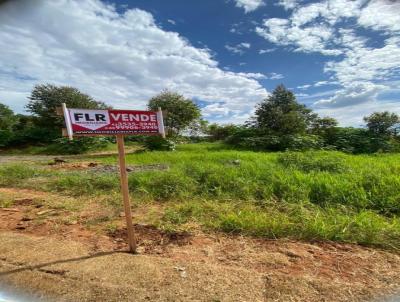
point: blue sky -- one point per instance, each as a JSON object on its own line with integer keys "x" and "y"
{"x": 340, "y": 57}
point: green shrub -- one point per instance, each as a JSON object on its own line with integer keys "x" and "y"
{"x": 253, "y": 140}
{"x": 266, "y": 142}
{"x": 5, "y": 138}
{"x": 158, "y": 143}
{"x": 300, "y": 142}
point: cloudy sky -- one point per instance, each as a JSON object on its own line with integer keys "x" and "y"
{"x": 340, "y": 57}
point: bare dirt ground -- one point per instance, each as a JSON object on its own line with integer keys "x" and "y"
{"x": 62, "y": 259}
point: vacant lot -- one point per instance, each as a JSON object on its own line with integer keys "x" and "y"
{"x": 183, "y": 204}
{"x": 312, "y": 195}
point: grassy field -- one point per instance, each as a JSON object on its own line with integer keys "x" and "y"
{"x": 307, "y": 196}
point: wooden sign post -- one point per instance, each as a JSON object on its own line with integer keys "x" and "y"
{"x": 88, "y": 122}
{"x": 125, "y": 193}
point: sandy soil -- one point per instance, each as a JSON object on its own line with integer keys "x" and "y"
{"x": 71, "y": 262}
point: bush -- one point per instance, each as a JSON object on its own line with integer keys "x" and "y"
{"x": 30, "y": 135}
{"x": 5, "y": 138}
{"x": 241, "y": 134}
{"x": 158, "y": 143}
{"x": 300, "y": 142}
{"x": 268, "y": 142}
{"x": 356, "y": 141}
{"x": 252, "y": 140}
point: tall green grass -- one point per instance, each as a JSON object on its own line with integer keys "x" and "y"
{"x": 320, "y": 195}
{"x": 274, "y": 220}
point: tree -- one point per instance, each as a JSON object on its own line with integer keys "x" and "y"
{"x": 7, "y": 121}
{"x": 180, "y": 112}
{"x": 221, "y": 132}
{"x": 280, "y": 113}
{"x": 382, "y": 123}
{"x": 7, "y": 117}
{"x": 324, "y": 127}
{"x": 46, "y": 98}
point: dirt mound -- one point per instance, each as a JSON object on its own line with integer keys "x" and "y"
{"x": 151, "y": 240}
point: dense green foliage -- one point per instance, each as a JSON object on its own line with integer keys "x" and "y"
{"x": 383, "y": 123}
{"x": 7, "y": 121}
{"x": 152, "y": 143}
{"x": 180, "y": 112}
{"x": 281, "y": 123}
{"x": 44, "y": 125}
{"x": 45, "y": 99}
{"x": 220, "y": 132}
{"x": 312, "y": 195}
{"x": 281, "y": 114}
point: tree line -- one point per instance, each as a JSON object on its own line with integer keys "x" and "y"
{"x": 279, "y": 123}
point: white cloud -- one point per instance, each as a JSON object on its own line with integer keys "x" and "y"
{"x": 288, "y": 4}
{"x": 249, "y": 5}
{"x": 331, "y": 11}
{"x": 301, "y": 95}
{"x": 329, "y": 27}
{"x": 353, "y": 115}
{"x": 357, "y": 93}
{"x": 267, "y": 50}
{"x": 321, "y": 83}
{"x": 171, "y": 21}
{"x": 310, "y": 27}
{"x": 367, "y": 64}
{"x": 275, "y": 76}
{"x": 238, "y": 28}
{"x": 307, "y": 39}
{"x": 239, "y": 48}
{"x": 215, "y": 110}
{"x": 381, "y": 15}
{"x": 252, "y": 75}
{"x": 303, "y": 87}
{"x": 261, "y": 76}
{"x": 122, "y": 59}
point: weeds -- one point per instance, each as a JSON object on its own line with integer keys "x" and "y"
{"x": 314, "y": 161}
{"x": 311, "y": 195}
{"x": 306, "y": 222}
